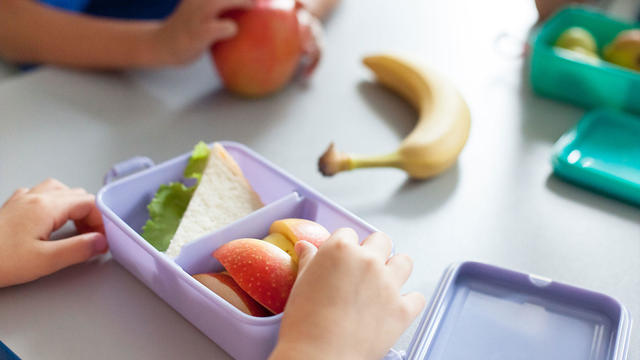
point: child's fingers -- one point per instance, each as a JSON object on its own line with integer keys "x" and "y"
{"x": 400, "y": 267}
{"x": 379, "y": 244}
{"x": 414, "y": 302}
{"x": 305, "y": 251}
{"x": 81, "y": 208}
{"x": 92, "y": 222}
{"x": 19, "y": 192}
{"x": 343, "y": 235}
{"x": 78, "y": 191}
{"x": 48, "y": 185}
{"x": 59, "y": 254}
{"x": 220, "y": 30}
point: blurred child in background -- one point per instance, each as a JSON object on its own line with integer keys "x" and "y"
{"x": 118, "y": 34}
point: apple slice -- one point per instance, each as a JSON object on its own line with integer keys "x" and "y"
{"x": 224, "y": 285}
{"x": 300, "y": 229}
{"x": 263, "y": 270}
{"x": 283, "y": 243}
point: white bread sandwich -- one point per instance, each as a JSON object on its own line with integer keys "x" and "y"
{"x": 183, "y": 214}
{"x": 222, "y": 197}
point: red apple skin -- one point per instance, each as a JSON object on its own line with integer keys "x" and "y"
{"x": 224, "y": 285}
{"x": 263, "y": 270}
{"x": 265, "y": 53}
{"x": 301, "y": 229}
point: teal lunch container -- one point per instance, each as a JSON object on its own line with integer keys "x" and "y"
{"x": 584, "y": 82}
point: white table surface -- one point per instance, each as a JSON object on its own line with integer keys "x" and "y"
{"x": 499, "y": 204}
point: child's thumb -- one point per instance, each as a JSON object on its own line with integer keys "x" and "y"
{"x": 221, "y": 30}
{"x": 75, "y": 250}
{"x": 305, "y": 251}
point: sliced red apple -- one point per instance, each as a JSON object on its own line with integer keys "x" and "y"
{"x": 263, "y": 270}
{"x": 224, "y": 285}
{"x": 301, "y": 229}
{"x": 283, "y": 243}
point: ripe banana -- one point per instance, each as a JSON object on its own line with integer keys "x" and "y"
{"x": 439, "y": 135}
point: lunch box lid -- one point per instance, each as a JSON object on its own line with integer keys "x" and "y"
{"x": 480, "y": 311}
{"x": 602, "y": 152}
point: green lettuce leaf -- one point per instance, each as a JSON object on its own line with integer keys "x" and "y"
{"x": 171, "y": 201}
{"x": 165, "y": 211}
{"x": 198, "y": 161}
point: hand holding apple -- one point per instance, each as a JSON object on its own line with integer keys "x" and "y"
{"x": 273, "y": 37}
{"x": 192, "y": 28}
{"x": 346, "y": 303}
{"x": 263, "y": 270}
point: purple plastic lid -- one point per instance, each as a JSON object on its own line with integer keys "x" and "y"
{"x": 481, "y": 311}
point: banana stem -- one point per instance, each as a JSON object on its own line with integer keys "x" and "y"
{"x": 362, "y": 161}
{"x": 334, "y": 161}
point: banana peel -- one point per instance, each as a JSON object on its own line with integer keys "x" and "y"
{"x": 439, "y": 135}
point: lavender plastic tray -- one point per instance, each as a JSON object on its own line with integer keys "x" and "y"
{"x": 123, "y": 205}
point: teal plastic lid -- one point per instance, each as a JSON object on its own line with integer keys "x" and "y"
{"x": 602, "y": 152}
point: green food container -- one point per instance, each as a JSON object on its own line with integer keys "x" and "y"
{"x": 602, "y": 152}
{"x": 584, "y": 82}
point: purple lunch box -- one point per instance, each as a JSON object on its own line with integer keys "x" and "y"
{"x": 478, "y": 311}
{"x": 123, "y": 204}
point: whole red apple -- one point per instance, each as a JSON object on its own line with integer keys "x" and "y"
{"x": 273, "y": 38}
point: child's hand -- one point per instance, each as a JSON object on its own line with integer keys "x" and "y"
{"x": 27, "y": 220}
{"x": 193, "y": 27}
{"x": 346, "y": 302}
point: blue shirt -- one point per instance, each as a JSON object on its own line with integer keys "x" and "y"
{"x": 121, "y": 9}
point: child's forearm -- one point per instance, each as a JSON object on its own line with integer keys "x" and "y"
{"x": 34, "y": 33}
